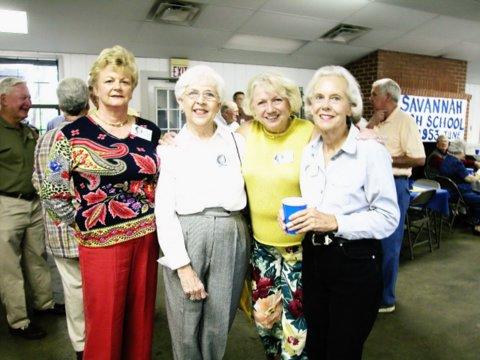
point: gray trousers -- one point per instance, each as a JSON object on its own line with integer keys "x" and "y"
{"x": 217, "y": 244}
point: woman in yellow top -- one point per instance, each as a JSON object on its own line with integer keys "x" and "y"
{"x": 274, "y": 144}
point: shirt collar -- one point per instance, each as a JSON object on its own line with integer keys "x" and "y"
{"x": 349, "y": 146}
{"x": 222, "y": 131}
{"x": 392, "y": 115}
{"x": 6, "y": 124}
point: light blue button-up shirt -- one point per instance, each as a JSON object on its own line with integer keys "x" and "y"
{"x": 356, "y": 186}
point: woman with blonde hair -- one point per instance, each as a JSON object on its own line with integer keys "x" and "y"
{"x": 111, "y": 158}
{"x": 274, "y": 143}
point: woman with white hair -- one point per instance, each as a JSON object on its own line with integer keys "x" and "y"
{"x": 200, "y": 229}
{"x": 454, "y": 168}
{"x": 349, "y": 188}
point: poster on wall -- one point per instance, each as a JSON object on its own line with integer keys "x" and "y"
{"x": 435, "y": 116}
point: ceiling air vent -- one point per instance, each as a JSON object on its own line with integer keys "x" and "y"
{"x": 173, "y": 12}
{"x": 344, "y": 33}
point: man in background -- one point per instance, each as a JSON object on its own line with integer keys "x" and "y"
{"x": 73, "y": 97}
{"x": 229, "y": 112}
{"x": 402, "y": 139}
{"x": 238, "y": 97}
{"x": 22, "y": 246}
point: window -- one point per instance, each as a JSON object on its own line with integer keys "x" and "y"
{"x": 169, "y": 116}
{"x": 42, "y": 80}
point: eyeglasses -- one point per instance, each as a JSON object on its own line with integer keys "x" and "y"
{"x": 206, "y": 95}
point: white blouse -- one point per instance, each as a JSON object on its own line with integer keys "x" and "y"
{"x": 195, "y": 174}
{"x": 356, "y": 186}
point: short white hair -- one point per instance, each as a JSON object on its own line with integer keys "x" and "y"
{"x": 388, "y": 86}
{"x": 456, "y": 147}
{"x": 8, "y": 83}
{"x": 196, "y": 74}
{"x": 353, "y": 89}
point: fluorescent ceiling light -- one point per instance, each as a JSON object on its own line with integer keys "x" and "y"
{"x": 12, "y": 21}
{"x": 263, "y": 44}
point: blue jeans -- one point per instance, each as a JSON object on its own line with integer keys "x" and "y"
{"x": 392, "y": 245}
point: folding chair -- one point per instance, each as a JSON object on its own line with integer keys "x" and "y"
{"x": 458, "y": 206}
{"x": 418, "y": 215}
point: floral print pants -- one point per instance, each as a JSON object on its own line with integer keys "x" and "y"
{"x": 277, "y": 300}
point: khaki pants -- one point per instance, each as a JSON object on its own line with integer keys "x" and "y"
{"x": 22, "y": 245}
{"x": 71, "y": 276}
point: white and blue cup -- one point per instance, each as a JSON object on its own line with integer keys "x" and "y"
{"x": 470, "y": 171}
{"x": 290, "y": 206}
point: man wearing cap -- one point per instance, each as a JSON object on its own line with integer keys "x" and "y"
{"x": 22, "y": 245}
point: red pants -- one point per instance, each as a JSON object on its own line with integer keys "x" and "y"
{"x": 119, "y": 289}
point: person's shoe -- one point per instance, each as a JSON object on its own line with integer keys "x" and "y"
{"x": 386, "y": 309}
{"x": 31, "y": 332}
{"x": 57, "y": 309}
{"x": 79, "y": 355}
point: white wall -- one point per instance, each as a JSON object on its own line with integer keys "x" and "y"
{"x": 473, "y": 136}
{"x": 236, "y": 76}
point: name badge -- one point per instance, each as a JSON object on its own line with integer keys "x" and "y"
{"x": 141, "y": 132}
{"x": 284, "y": 157}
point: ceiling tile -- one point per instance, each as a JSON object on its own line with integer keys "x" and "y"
{"x": 243, "y": 4}
{"x": 339, "y": 54}
{"x": 377, "y": 16}
{"x": 463, "y": 50}
{"x": 377, "y": 38}
{"x": 432, "y": 46}
{"x": 167, "y": 35}
{"x": 333, "y": 10}
{"x": 464, "y": 9}
{"x": 447, "y": 26}
{"x": 273, "y": 24}
{"x": 222, "y": 18}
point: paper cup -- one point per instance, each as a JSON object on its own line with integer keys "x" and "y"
{"x": 290, "y": 206}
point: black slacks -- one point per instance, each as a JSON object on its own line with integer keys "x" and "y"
{"x": 342, "y": 285}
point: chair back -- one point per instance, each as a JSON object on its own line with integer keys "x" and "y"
{"x": 426, "y": 184}
{"x": 423, "y": 198}
{"x": 449, "y": 185}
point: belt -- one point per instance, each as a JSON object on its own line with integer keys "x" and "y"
{"x": 216, "y": 212}
{"x": 28, "y": 197}
{"x": 326, "y": 239}
{"x": 405, "y": 177}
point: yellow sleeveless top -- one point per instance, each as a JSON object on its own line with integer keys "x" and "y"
{"x": 271, "y": 169}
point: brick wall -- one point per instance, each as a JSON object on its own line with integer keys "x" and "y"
{"x": 416, "y": 74}
{"x": 366, "y": 72}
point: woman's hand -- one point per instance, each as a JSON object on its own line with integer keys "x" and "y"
{"x": 369, "y": 134}
{"x": 281, "y": 220}
{"x": 168, "y": 139}
{"x": 312, "y": 220}
{"x": 191, "y": 284}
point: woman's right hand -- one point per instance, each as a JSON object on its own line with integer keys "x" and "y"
{"x": 168, "y": 139}
{"x": 192, "y": 286}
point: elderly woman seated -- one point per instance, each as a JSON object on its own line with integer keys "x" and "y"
{"x": 454, "y": 168}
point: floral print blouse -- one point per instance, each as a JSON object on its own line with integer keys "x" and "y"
{"x": 114, "y": 181}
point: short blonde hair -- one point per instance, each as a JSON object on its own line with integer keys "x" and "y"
{"x": 120, "y": 58}
{"x": 353, "y": 89}
{"x": 277, "y": 83}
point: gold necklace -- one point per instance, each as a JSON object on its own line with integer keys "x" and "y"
{"x": 119, "y": 124}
